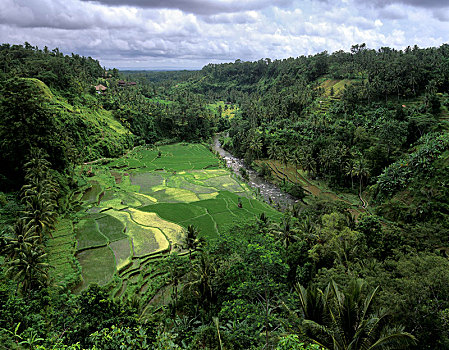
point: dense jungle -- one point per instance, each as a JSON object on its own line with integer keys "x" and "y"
{"x": 121, "y": 227}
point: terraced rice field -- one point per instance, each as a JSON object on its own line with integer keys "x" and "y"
{"x": 137, "y": 208}
{"x": 282, "y": 172}
{"x": 61, "y": 249}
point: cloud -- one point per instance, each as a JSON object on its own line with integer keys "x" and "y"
{"x": 176, "y": 33}
{"x": 201, "y": 7}
{"x": 70, "y": 15}
{"x": 442, "y": 15}
{"x": 417, "y": 3}
{"x": 393, "y": 12}
{"x": 233, "y": 18}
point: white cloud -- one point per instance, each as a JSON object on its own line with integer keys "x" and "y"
{"x": 167, "y": 33}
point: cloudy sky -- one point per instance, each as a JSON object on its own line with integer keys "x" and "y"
{"x": 161, "y": 34}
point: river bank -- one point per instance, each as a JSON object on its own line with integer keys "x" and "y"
{"x": 271, "y": 192}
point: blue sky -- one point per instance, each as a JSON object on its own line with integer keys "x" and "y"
{"x": 161, "y": 34}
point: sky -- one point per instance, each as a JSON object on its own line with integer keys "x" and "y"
{"x": 188, "y": 34}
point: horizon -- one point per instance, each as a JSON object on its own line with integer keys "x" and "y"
{"x": 178, "y": 35}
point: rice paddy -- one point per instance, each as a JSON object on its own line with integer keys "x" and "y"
{"x": 61, "y": 250}
{"x": 137, "y": 208}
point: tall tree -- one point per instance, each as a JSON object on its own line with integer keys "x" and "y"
{"x": 29, "y": 268}
{"x": 347, "y": 320}
{"x": 191, "y": 240}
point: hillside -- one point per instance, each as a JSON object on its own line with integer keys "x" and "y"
{"x": 37, "y": 118}
{"x": 121, "y": 229}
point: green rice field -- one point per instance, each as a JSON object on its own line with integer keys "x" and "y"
{"x": 136, "y": 209}
{"x": 61, "y": 250}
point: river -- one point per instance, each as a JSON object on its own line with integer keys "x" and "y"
{"x": 271, "y": 193}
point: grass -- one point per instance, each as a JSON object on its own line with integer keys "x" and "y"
{"x": 173, "y": 232}
{"x": 180, "y": 181}
{"x": 98, "y": 266}
{"x": 338, "y": 85}
{"x": 61, "y": 250}
{"x": 176, "y": 212}
{"x": 212, "y": 215}
{"x": 175, "y": 157}
{"x": 92, "y": 193}
{"x": 227, "y": 110}
{"x": 88, "y": 235}
{"x": 224, "y": 183}
{"x": 111, "y": 228}
{"x": 206, "y": 225}
{"x": 160, "y": 192}
{"x": 145, "y": 240}
{"x": 174, "y": 195}
{"x": 146, "y": 181}
{"x": 122, "y": 252}
{"x": 214, "y": 206}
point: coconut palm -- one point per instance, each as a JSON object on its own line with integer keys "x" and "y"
{"x": 40, "y": 213}
{"x": 347, "y": 320}
{"x": 29, "y": 268}
{"x": 273, "y": 151}
{"x": 200, "y": 280}
{"x": 308, "y": 230}
{"x": 349, "y": 171}
{"x": 284, "y": 156}
{"x": 284, "y": 231}
{"x": 307, "y": 161}
{"x": 44, "y": 188}
{"x": 360, "y": 169}
{"x": 192, "y": 241}
{"x": 296, "y": 158}
{"x": 22, "y": 235}
{"x": 256, "y": 144}
{"x": 37, "y": 166}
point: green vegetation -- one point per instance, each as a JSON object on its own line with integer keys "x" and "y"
{"x": 127, "y": 232}
{"x": 98, "y": 266}
{"x": 61, "y": 255}
{"x": 149, "y": 210}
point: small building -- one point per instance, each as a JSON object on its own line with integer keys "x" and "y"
{"x": 121, "y": 83}
{"x": 100, "y": 89}
{"x": 132, "y": 83}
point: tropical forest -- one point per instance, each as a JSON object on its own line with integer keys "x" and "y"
{"x": 287, "y": 204}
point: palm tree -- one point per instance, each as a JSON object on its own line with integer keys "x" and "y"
{"x": 308, "y": 230}
{"x": 296, "y": 158}
{"x": 313, "y": 302}
{"x": 346, "y": 320}
{"x": 327, "y": 158}
{"x": 37, "y": 166}
{"x": 192, "y": 241}
{"x": 273, "y": 151}
{"x": 361, "y": 171}
{"x": 255, "y": 144}
{"x": 23, "y": 236}
{"x": 284, "y": 231}
{"x": 200, "y": 280}
{"x": 176, "y": 269}
{"x": 29, "y": 268}
{"x": 308, "y": 163}
{"x": 40, "y": 213}
{"x": 45, "y": 188}
{"x": 349, "y": 171}
{"x": 284, "y": 158}
{"x": 263, "y": 223}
